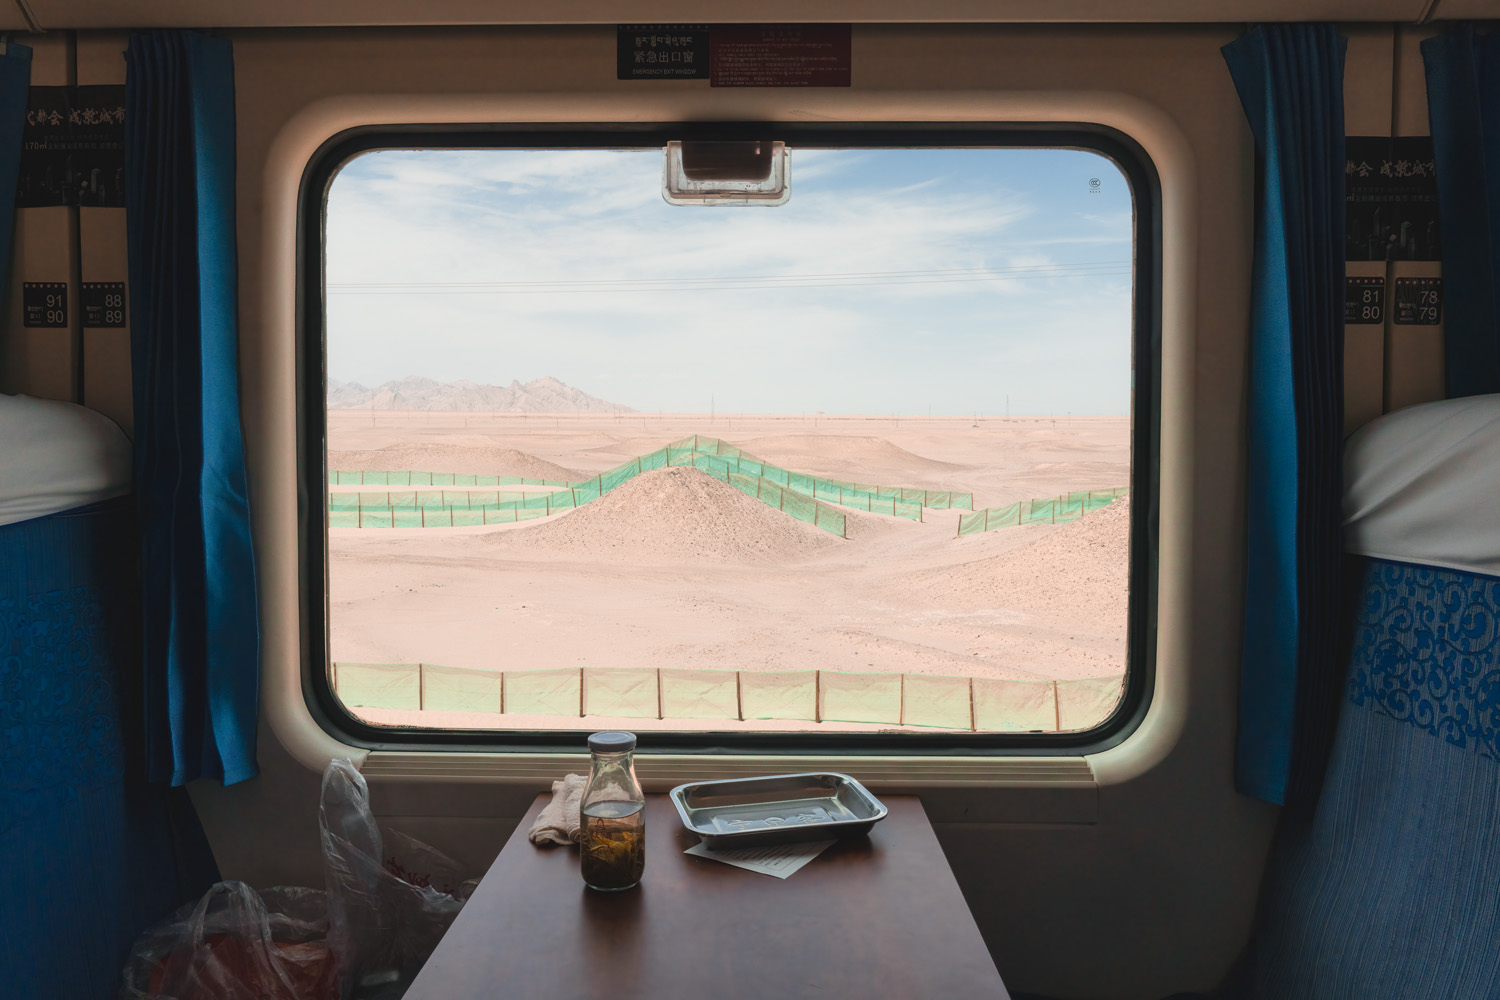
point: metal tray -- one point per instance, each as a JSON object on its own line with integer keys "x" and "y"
{"x": 745, "y": 812}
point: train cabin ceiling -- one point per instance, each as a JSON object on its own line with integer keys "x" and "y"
{"x": 62, "y": 14}
{"x": 1459, "y": 10}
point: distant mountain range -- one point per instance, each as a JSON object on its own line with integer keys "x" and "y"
{"x": 543, "y": 395}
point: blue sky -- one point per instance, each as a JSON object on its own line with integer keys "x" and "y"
{"x": 871, "y": 291}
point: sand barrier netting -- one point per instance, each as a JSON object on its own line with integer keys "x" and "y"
{"x": 804, "y": 496}
{"x": 973, "y": 704}
{"x": 1050, "y": 510}
{"x": 338, "y": 477}
{"x": 470, "y": 508}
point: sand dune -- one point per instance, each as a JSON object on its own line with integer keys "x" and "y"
{"x": 638, "y": 581}
{"x": 452, "y": 458}
{"x": 851, "y": 456}
{"x": 671, "y": 516}
{"x": 1076, "y": 571}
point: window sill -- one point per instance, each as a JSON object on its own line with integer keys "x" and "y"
{"x": 1039, "y": 790}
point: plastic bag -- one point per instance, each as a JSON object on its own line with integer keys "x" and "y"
{"x": 380, "y": 926}
{"x": 422, "y": 864}
{"x": 230, "y": 946}
{"x": 365, "y": 938}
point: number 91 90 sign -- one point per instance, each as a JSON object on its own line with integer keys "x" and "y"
{"x": 44, "y": 303}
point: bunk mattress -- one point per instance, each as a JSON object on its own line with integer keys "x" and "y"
{"x": 57, "y": 456}
{"x": 1422, "y": 486}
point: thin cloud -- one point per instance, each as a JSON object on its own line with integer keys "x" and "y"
{"x": 597, "y": 215}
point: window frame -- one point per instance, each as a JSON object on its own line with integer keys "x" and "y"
{"x": 1146, "y": 360}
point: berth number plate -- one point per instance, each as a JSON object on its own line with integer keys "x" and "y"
{"x": 103, "y": 303}
{"x": 44, "y": 303}
{"x": 1419, "y": 301}
{"x": 1364, "y": 300}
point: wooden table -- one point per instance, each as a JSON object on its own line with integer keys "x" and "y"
{"x": 868, "y": 918}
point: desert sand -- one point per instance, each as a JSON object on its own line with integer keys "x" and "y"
{"x": 677, "y": 569}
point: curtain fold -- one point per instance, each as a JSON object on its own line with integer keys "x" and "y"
{"x": 1290, "y": 83}
{"x": 1463, "y": 102}
{"x": 201, "y": 639}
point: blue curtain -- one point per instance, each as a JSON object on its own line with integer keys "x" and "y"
{"x": 1463, "y": 100}
{"x": 1290, "y": 82}
{"x": 201, "y": 637}
{"x": 93, "y": 854}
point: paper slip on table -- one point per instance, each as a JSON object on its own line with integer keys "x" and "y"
{"x": 872, "y": 917}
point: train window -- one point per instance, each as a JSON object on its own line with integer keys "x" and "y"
{"x": 860, "y": 468}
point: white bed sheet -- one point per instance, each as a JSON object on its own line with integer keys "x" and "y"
{"x": 55, "y": 456}
{"x": 1422, "y": 485}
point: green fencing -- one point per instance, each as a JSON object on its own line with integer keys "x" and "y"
{"x": 933, "y": 499}
{"x": 803, "y": 496}
{"x": 457, "y": 509}
{"x": 899, "y": 501}
{"x": 975, "y": 704}
{"x": 466, "y": 499}
{"x": 803, "y": 508}
{"x": 376, "y": 478}
{"x": 1052, "y": 510}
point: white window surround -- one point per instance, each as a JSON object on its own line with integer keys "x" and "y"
{"x": 272, "y": 428}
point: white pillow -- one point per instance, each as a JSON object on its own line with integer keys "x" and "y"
{"x": 1422, "y": 485}
{"x": 55, "y": 456}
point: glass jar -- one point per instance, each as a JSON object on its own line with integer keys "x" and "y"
{"x": 613, "y": 848}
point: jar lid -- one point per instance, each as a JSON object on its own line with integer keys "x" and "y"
{"x": 611, "y": 742}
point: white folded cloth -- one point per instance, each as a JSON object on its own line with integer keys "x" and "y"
{"x": 1420, "y": 486}
{"x": 561, "y": 820}
{"x": 55, "y": 456}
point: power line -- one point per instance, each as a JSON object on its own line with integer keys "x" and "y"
{"x": 733, "y": 283}
{"x": 762, "y": 277}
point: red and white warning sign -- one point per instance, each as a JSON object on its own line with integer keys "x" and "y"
{"x": 779, "y": 55}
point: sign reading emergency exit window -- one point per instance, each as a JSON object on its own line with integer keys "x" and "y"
{"x": 662, "y": 52}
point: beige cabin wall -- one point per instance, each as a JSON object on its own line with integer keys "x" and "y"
{"x": 105, "y": 356}
{"x": 1135, "y": 891}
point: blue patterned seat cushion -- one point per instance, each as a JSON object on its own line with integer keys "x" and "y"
{"x": 1391, "y": 889}
{"x": 92, "y": 853}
